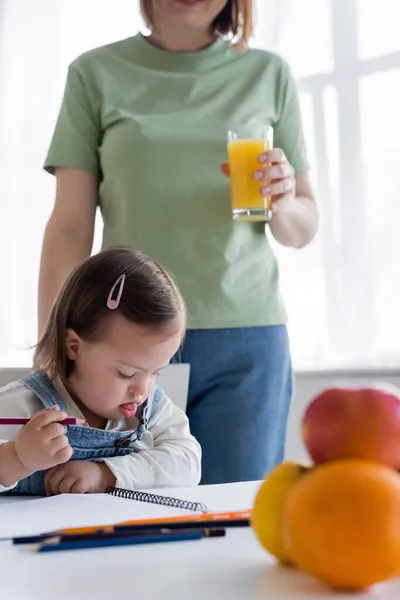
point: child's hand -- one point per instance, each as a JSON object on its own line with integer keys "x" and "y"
{"x": 78, "y": 477}
{"x": 42, "y": 443}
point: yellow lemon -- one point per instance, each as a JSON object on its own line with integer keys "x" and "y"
{"x": 267, "y": 515}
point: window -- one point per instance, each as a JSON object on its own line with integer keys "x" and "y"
{"x": 343, "y": 291}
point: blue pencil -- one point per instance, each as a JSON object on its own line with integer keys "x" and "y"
{"x": 213, "y": 528}
{"x": 50, "y": 546}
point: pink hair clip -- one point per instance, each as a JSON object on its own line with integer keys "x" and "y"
{"x": 113, "y": 304}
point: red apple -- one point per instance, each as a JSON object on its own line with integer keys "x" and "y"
{"x": 361, "y": 423}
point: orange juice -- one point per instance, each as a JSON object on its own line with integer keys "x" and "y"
{"x": 248, "y": 204}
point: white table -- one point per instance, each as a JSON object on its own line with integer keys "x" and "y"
{"x": 230, "y": 568}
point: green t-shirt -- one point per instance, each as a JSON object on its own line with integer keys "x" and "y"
{"x": 153, "y": 126}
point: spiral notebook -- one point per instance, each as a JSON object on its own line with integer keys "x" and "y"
{"x": 27, "y": 516}
{"x": 157, "y": 499}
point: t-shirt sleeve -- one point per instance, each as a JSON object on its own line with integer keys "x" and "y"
{"x": 77, "y": 135}
{"x": 288, "y": 129}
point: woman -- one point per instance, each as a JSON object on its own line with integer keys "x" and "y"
{"x": 142, "y": 132}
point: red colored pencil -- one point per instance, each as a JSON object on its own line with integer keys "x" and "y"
{"x": 23, "y": 421}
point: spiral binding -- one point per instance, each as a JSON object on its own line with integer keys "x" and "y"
{"x": 156, "y": 499}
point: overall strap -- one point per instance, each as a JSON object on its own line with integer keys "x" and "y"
{"x": 155, "y": 398}
{"x": 42, "y": 387}
{"x": 149, "y": 408}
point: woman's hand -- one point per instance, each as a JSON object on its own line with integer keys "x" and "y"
{"x": 276, "y": 177}
{"x": 296, "y": 217}
{"x": 78, "y": 477}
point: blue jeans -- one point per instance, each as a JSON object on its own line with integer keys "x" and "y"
{"x": 239, "y": 399}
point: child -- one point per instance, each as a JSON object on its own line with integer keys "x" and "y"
{"x": 117, "y": 323}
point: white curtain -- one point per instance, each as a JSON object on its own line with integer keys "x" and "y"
{"x": 343, "y": 291}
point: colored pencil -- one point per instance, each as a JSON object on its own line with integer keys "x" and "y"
{"x": 209, "y": 517}
{"x": 218, "y": 519}
{"x": 57, "y": 545}
{"x": 23, "y": 421}
{"x": 206, "y": 532}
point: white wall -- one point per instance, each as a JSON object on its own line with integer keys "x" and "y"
{"x": 309, "y": 385}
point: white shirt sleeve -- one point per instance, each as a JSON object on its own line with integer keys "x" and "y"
{"x": 167, "y": 456}
{"x": 2, "y": 487}
{"x": 15, "y": 401}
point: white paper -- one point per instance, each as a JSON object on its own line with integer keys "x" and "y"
{"x": 33, "y": 517}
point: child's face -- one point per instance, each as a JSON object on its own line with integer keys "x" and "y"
{"x": 114, "y": 375}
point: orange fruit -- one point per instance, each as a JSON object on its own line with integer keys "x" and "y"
{"x": 266, "y": 518}
{"x": 342, "y": 523}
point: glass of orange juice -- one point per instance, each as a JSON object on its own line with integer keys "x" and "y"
{"x": 245, "y": 144}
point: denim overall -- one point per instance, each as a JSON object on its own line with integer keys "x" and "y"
{"x": 87, "y": 443}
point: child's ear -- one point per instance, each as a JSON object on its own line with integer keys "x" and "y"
{"x": 72, "y": 344}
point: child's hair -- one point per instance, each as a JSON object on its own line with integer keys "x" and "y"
{"x": 149, "y": 298}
